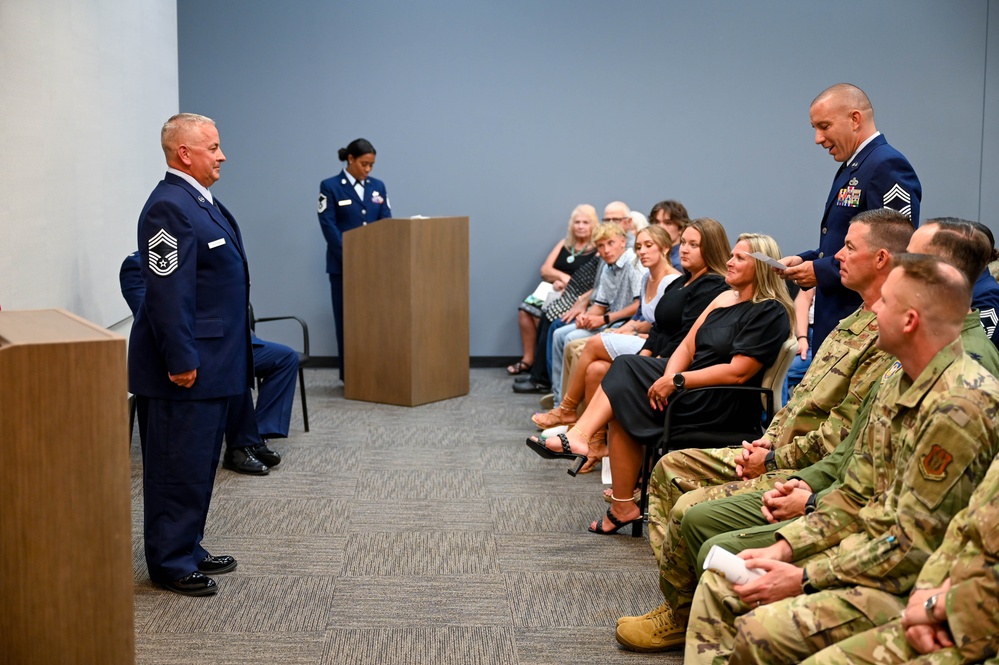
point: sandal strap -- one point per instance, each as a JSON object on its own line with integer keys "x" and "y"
{"x": 565, "y": 443}
{"x": 615, "y": 521}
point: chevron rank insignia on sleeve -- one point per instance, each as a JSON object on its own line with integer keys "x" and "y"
{"x": 322, "y": 203}
{"x": 898, "y": 199}
{"x": 163, "y": 256}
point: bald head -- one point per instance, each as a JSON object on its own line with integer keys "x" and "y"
{"x": 848, "y": 95}
{"x": 843, "y": 119}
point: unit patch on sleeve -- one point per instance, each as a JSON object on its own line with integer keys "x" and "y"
{"x": 163, "y": 256}
{"x": 934, "y": 464}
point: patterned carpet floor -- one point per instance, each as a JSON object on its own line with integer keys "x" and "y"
{"x": 394, "y": 535}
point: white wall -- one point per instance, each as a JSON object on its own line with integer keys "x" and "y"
{"x": 84, "y": 87}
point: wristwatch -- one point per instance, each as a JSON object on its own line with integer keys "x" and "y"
{"x": 810, "y": 504}
{"x": 770, "y": 462}
{"x": 806, "y": 584}
{"x": 606, "y": 319}
{"x": 678, "y": 381}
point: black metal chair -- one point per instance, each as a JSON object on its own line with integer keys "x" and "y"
{"x": 304, "y": 359}
{"x": 770, "y": 392}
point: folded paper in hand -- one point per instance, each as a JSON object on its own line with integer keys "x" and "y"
{"x": 773, "y": 263}
{"x": 732, "y": 567}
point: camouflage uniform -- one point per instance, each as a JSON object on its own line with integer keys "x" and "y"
{"x": 969, "y": 556}
{"x": 813, "y": 422}
{"x": 925, "y": 447}
{"x": 736, "y": 523}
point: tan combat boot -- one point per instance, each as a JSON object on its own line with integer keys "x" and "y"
{"x": 657, "y": 631}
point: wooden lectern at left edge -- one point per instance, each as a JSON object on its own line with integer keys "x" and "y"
{"x": 66, "y": 580}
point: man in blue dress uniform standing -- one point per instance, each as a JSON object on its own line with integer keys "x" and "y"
{"x": 873, "y": 175}
{"x": 189, "y": 352}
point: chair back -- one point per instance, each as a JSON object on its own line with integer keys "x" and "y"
{"x": 773, "y": 378}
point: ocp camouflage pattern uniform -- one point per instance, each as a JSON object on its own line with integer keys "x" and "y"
{"x": 736, "y": 522}
{"x": 813, "y": 422}
{"x": 925, "y": 448}
{"x": 969, "y": 556}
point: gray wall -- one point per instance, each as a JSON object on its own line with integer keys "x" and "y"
{"x": 513, "y": 112}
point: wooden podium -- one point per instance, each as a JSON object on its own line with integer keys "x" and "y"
{"x": 405, "y": 287}
{"x": 66, "y": 578}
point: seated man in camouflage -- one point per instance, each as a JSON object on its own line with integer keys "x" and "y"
{"x": 824, "y": 404}
{"x": 814, "y": 421}
{"x": 748, "y": 520}
{"x": 953, "y": 612}
{"x": 931, "y": 435}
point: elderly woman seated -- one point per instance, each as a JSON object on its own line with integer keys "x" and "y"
{"x": 732, "y": 342}
{"x": 567, "y": 255}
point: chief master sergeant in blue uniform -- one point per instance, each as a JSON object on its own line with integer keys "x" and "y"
{"x": 873, "y": 175}
{"x": 346, "y": 201}
{"x": 189, "y": 352}
{"x": 248, "y": 428}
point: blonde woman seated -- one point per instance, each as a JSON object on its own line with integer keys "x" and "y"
{"x": 567, "y": 255}
{"x": 732, "y": 342}
{"x": 652, "y": 246}
{"x": 704, "y": 249}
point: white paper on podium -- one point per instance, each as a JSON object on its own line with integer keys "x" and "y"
{"x": 732, "y": 567}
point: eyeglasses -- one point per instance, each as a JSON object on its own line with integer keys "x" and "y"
{"x": 615, "y": 219}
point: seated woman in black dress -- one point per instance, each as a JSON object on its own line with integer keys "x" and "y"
{"x": 733, "y": 341}
{"x": 704, "y": 251}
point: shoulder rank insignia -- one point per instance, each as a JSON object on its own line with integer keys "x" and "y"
{"x": 322, "y": 203}
{"x": 898, "y": 199}
{"x": 934, "y": 463}
{"x": 163, "y": 256}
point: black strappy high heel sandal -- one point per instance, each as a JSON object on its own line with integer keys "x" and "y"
{"x": 540, "y": 448}
{"x": 636, "y": 528}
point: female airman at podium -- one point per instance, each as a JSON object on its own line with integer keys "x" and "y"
{"x": 346, "y": 201}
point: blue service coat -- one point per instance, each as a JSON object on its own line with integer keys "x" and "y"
{"x": 878, "y": 177}
{"x": 194, "y": 313}
{"x": 341, "y": 209}
{"x": 985, "y": 298}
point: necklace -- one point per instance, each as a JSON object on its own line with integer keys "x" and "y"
{"x": 573, "y": 254}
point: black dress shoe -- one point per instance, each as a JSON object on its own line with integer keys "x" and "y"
{"x": 242, "y": 460}
{"x": 216, "y": 565}
{"x": 531, "y": 387}
{"x": 266, "y": 455}
{"x": 195, "y": 584}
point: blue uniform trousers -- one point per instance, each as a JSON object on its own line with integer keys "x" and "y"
{"x": 276, "y": 365}
{"x": 336, "y": 290}
{"x": 181, "y": 443}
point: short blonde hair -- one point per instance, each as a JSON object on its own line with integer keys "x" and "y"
{"x": 608, "y": 230}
